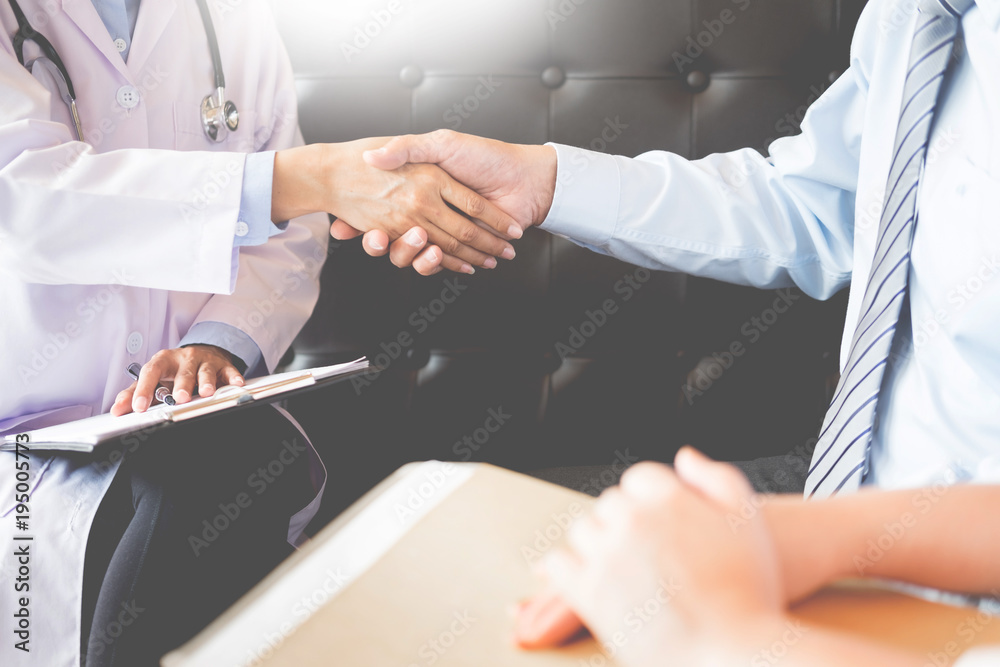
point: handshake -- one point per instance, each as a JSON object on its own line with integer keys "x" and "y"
{"x": 435, "y": 201}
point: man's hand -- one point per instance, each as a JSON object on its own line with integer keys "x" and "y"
{"x": 518, "y": 179}
{"x": 206, "y": 366}
{"x": 663, "y": 539}
{"x": 335, "y": 179}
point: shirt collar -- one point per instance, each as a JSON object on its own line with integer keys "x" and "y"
{"x": 991, "y": 12}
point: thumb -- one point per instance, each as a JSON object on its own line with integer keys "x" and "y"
{"x": 718, "y": 482}
{"x": 433, "y": 148}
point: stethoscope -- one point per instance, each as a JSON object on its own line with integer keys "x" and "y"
{"x": 218, "y": 115}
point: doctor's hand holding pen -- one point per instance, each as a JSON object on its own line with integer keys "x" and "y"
{"x": 411, "y": 205}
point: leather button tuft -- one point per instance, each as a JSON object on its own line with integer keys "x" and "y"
{"x": 553, "y": 77}
{"x": 697, "y": 81}
{"x": 411, "y": 76}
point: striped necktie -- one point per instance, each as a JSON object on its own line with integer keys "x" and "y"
{"x": 840, "y": 460}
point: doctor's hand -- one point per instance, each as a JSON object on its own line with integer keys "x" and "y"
{"x": 516, "y": 178}
{"x": 204, "y": 367}
{"x": 658, "y": 573}
{"x": 335, "y": 179}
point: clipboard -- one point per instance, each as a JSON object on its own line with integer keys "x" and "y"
{"x": 86, "y": 435}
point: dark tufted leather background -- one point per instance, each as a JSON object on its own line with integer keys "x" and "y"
{"x": 606, "y": 74}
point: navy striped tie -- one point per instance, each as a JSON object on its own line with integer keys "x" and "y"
{"x": 841, "y": 456}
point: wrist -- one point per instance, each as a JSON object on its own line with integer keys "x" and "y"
{"x": 809, "y": 545}
{"x": 544, "y": 171}
{"x": 299, "y": 174}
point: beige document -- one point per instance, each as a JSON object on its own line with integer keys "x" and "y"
{"x": 422, "y": 572}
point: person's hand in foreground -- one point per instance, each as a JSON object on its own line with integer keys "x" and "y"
{"x": 661, "y": 575}
{"x": 182, "y": 370}
{"x": 413, "y": 204}
{"x": 518, "y": 179}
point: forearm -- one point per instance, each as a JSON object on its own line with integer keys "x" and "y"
{"x": 940, "y": 537}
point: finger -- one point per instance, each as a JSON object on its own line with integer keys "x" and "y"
{"x": 149, "y": 378}
{"x": 586, "y": 535}
{"x": 342, "y": 231}
{"x": 405, "y": 249}
{"x": 123, "y": 402}
{"x": 375, "y": 242}
{"x": 563, "y": 571}
{"x": 442, "y": 231}
{"x": 478, "y": 207}
{"x": 649, "y": 482}
{"x": 428, "y": 262}
{"x": 611, "y": 506}
{"x": 185, "y": 379}
{"x": 465, "y": 229}
{"x": 545, "y": 621}
{"x": 231, "y": 376}
{"x": 435, "y": 147}
{"x": 208, "y": 377}
{"x": 718, "y": 482}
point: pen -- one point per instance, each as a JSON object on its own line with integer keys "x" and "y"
{"x": 162, "y": 393}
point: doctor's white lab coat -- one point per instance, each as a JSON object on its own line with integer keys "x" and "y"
{"x": 112, "y": 248}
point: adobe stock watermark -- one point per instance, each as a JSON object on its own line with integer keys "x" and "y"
{"x": 713, "y": 29}
{"x": 792, "y": 634}
{"x": 967, "y": 631}
{"x": 370, "y": 30}
{"x": 596, "y": 319}
{"x": 333, "y": 582}
{"x": 580, "y": 162}
{"x": 258, "y": 482}
{"x": 103, "y": 639}
{"x": 925, "y": 330}
{"x": 923, "y": 502}
{"x": 634, "y": 622}
{"x": 562, "y": 12}
{"x": 435, "y": 648}
{"x": 87, "y": 312}
{"x": 467, "y": 447}
{"x": 463, "y": 111}
{"x": 424, "y": 492}
{"x": 420, "y": 320}
{"x": 708, "y": 371}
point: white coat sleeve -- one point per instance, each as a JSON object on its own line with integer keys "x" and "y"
{"x": 71, "y": 216}
{"x": 737, "y": 216}
{"x": 278, "y": 282}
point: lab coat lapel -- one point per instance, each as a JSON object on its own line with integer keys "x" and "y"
{"x": 83, "y": 14}
{"x": 149, "y": 27}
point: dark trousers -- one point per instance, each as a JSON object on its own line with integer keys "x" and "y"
{"x": 195, "y": 517}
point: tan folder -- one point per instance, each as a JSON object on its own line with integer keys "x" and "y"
{"x": 422, "y": 572}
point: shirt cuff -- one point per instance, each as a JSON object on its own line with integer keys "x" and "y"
{"x": 254, "y": 226}
{"x": 232, "y": 340}
{"x": 586, "y": 201}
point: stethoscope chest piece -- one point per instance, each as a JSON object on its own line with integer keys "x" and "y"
{"x": 219, "y": 116}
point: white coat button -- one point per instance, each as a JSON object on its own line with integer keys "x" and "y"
{"x": 128, "y": 97}
{"x": 134, "y": 343}
{"x": 242, "y": 229}
{"x": 121, "y": 45}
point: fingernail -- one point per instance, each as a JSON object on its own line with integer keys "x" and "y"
{"x": 413, "y": 238}
{"x": 238, "y": 381}
{"x": 508, "y": 253}
{"x": 466, "y": 268}
{"x": 376, "y": 246}
{"x": 432, "y": 256}
{"x": 207, "y": 389}
{"x": 140, "y": 403}
{"x": 515, "y": 231}
{"x": 182, "y": 396}
{"x": 376, "y": 151}
{"x": 490, "y": 263}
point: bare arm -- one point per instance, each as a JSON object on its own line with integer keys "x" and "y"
{"x": 942, "y": 537}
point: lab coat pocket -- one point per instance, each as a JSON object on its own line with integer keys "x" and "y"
{"x": 191, "y": 136}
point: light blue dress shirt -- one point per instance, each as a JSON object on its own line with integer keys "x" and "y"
{"x": 254, "y": 226}
{"x": 809, "y": 216}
